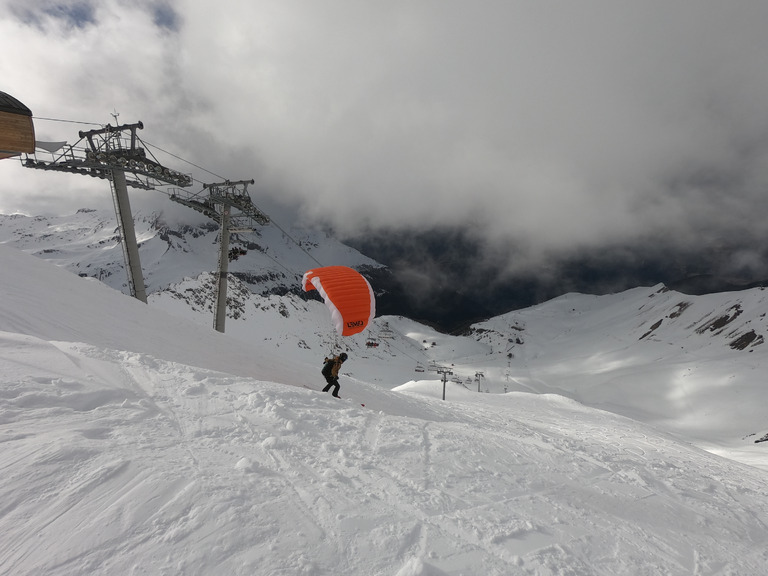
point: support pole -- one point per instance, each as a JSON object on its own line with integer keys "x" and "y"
{"x": 445, "y": 372}
{"x": 128, "y": 233}
{"x": 221, "y": 295}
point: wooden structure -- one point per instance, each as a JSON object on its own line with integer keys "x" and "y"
{"x": 17, "y": 132}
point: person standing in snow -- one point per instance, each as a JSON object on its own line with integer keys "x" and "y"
{"x": 331, "y": 372}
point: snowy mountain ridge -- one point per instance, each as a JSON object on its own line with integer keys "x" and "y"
{"x": 735, "y": 319}
{"x": 138, "y": 440}
{"x": 88, "y": 244}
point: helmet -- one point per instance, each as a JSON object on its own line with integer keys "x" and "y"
{"x": 343, "y": 356}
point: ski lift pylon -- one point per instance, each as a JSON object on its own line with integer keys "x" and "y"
{"x": 385, "y": 332}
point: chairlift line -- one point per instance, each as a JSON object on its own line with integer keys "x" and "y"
{"x": 68, "y": 121}
{"x": 139, "y": 184}
{"x": 109, "y": 153}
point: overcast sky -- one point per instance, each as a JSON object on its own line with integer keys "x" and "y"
{"x": 554, "y": 125}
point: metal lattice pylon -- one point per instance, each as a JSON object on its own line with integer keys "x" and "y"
{"x": 111, "y": 153}
{"x": 229, "y": 205}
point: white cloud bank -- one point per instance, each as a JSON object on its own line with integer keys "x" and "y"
{"x": 552, "y": 125}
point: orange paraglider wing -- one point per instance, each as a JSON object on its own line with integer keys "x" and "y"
{"x": 347, "y": 294}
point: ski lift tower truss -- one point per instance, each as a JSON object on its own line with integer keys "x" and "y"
{"x": 111, "y": 153}
{"x": 229, "y": 205}
{"x": 442, "y": 370}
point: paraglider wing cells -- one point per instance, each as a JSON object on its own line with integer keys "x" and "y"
{"x": 347, "y": 294}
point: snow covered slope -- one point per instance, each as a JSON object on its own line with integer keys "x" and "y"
{"x": 693, "y": 365}
{"x": 135, "y": 441}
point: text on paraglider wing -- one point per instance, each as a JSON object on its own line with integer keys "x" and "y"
{"x": 355, "y": 323}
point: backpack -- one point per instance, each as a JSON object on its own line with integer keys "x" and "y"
{"x": 329, "y": 362}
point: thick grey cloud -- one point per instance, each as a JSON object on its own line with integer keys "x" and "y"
{"x": 551, "y": 126}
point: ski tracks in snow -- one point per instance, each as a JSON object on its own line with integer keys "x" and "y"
{"x": 252, "y": 477}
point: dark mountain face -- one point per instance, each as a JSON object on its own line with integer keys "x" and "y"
{"x": 441, "y": 277}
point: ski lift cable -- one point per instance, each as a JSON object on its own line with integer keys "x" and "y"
{"x": 147, "y": 144}
{"x": 148, "y": 149}
{"x": 295, "y": 242}
{"x": 69, "y": 121}
{"x": 390, "y": 344}
{"x": 184, "y": 160}
{"x": 290, "y": 272}
{"x": 101, "y": 124}
{"x": 272, "y": 221}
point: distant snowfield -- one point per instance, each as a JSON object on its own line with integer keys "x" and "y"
{"x": 139, "y": 442}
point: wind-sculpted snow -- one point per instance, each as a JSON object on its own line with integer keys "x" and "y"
{"x": 129, "y": 464}
{"x": 134, "y": 442}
